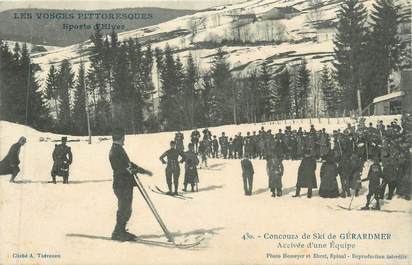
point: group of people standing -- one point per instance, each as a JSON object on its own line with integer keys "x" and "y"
{"x": 343, "y": 154}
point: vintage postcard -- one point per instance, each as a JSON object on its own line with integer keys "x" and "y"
{"x": 205, "y": 132}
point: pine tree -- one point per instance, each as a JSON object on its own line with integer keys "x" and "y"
{"x": 51, "y": 89}
{"x": 123, "y": 91}
{"x": 65, "y": 79}
{"x": 383, "y": 48}
{"x": 349, "y": 51}
{"x": 37, "y": 113}
{"x": 222, "y": 96}
{"x": 136, "y": 61}
{"x": 190, "y": 95}
{"x": 79, "y": 105}
{"x": 329, "y": 90}
{"x": 283, "y": 91}
{"x": 169, "y": 104}
{"x": 265, "y": 92}
{"x": 99, "y": 82}
{"x": 253, "y": 96}
{"x": 18, "y": 84}
{"x": 6, "y": 82}
{"x": 303, "y": 88}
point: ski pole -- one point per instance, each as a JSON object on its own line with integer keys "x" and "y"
{"x": 153, "y": 209}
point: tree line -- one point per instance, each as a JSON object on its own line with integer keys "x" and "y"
{"x": 116, "y": 88}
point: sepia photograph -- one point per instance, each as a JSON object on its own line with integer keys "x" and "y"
{"x": 211, "y": 132}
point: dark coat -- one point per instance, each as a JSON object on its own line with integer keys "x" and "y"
{"x": 374, "y": 177}
{"x": 191, "y": 162}
{"x": 328, "y": 185}
{"x": 389, "y": 170}
{"x": 306, "y": 173}
{"x": 172, "y": 156}
{"x": 247, "y": 167}
{"x": 62, "y": 159}
{"x": 119, "y": 160}
{"x": 274, "y": 168}
{"x": 11, "y": 161}
{"x": 345, "y": 168}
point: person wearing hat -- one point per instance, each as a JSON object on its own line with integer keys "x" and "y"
{"x": 10, "y": 163}
{"x": 123, "y": 184}
{"x": 191, "y": 162}
{"x": 172, "y": 168}
{"x": 62, "y": 159}
{"x": 328, "y": 187}
{"x": 306, "y": 175}
{"x": 374, "y": 178}
{"x": 274, "y": 169}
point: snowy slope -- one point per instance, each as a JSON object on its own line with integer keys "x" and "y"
{"x": 38, "y": 216}
{"x": 303, "y": 37}
{"x": 30, "y": 46}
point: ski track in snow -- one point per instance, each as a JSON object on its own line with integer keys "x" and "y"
{"x": 219, "y": 212}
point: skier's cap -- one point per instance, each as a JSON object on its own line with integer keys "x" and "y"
{"x": 117, "y": 133}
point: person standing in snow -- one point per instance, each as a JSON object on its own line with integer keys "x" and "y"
{"x": 247, "y": 175}
{"x": 179, "y": 141}
{"x": 203, "y": 152}
{"x": 306, "y": 175}
{"x": 374, "y": 177}
{"x": 10, "y": 163}
{"x": 345, "y": 174}
{"x": 62, "y": 159}
{"x": 274, "y": 168}
{"x": 328, "y": 187}
{"x": 215, "y": 147}
{"x": 356, "y": 172}
{"x": 172, "y": 170}
{"x": 223, "y": 141}
{"x": 123, "y": 183}
{"x": 191, "y": 162}
{"x": 195, "y": 137}
{"x": 390, "y": 175}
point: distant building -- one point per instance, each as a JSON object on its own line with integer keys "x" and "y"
{"x": 388, "y": 104}
{"x": 398, "y": 101}
{"x": 277, "y": 13}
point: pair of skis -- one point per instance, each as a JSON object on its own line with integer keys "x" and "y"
{"x": 171, "y": 243}
{"x": 180, "y": 196}
{"x": 169, "y": 236}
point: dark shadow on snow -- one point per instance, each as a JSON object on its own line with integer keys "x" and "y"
{"x": 216, "y": 165}
{"x": 259, "y": 191}
{"x": 208, "y": 188}
{"x": 284, "y": 191}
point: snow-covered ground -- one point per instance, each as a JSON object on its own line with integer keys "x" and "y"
{"x": 36, "y": 216}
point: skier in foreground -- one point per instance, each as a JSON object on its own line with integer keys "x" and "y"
{"x": 123, "y": 183}
{"x": 10, "y": 163}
